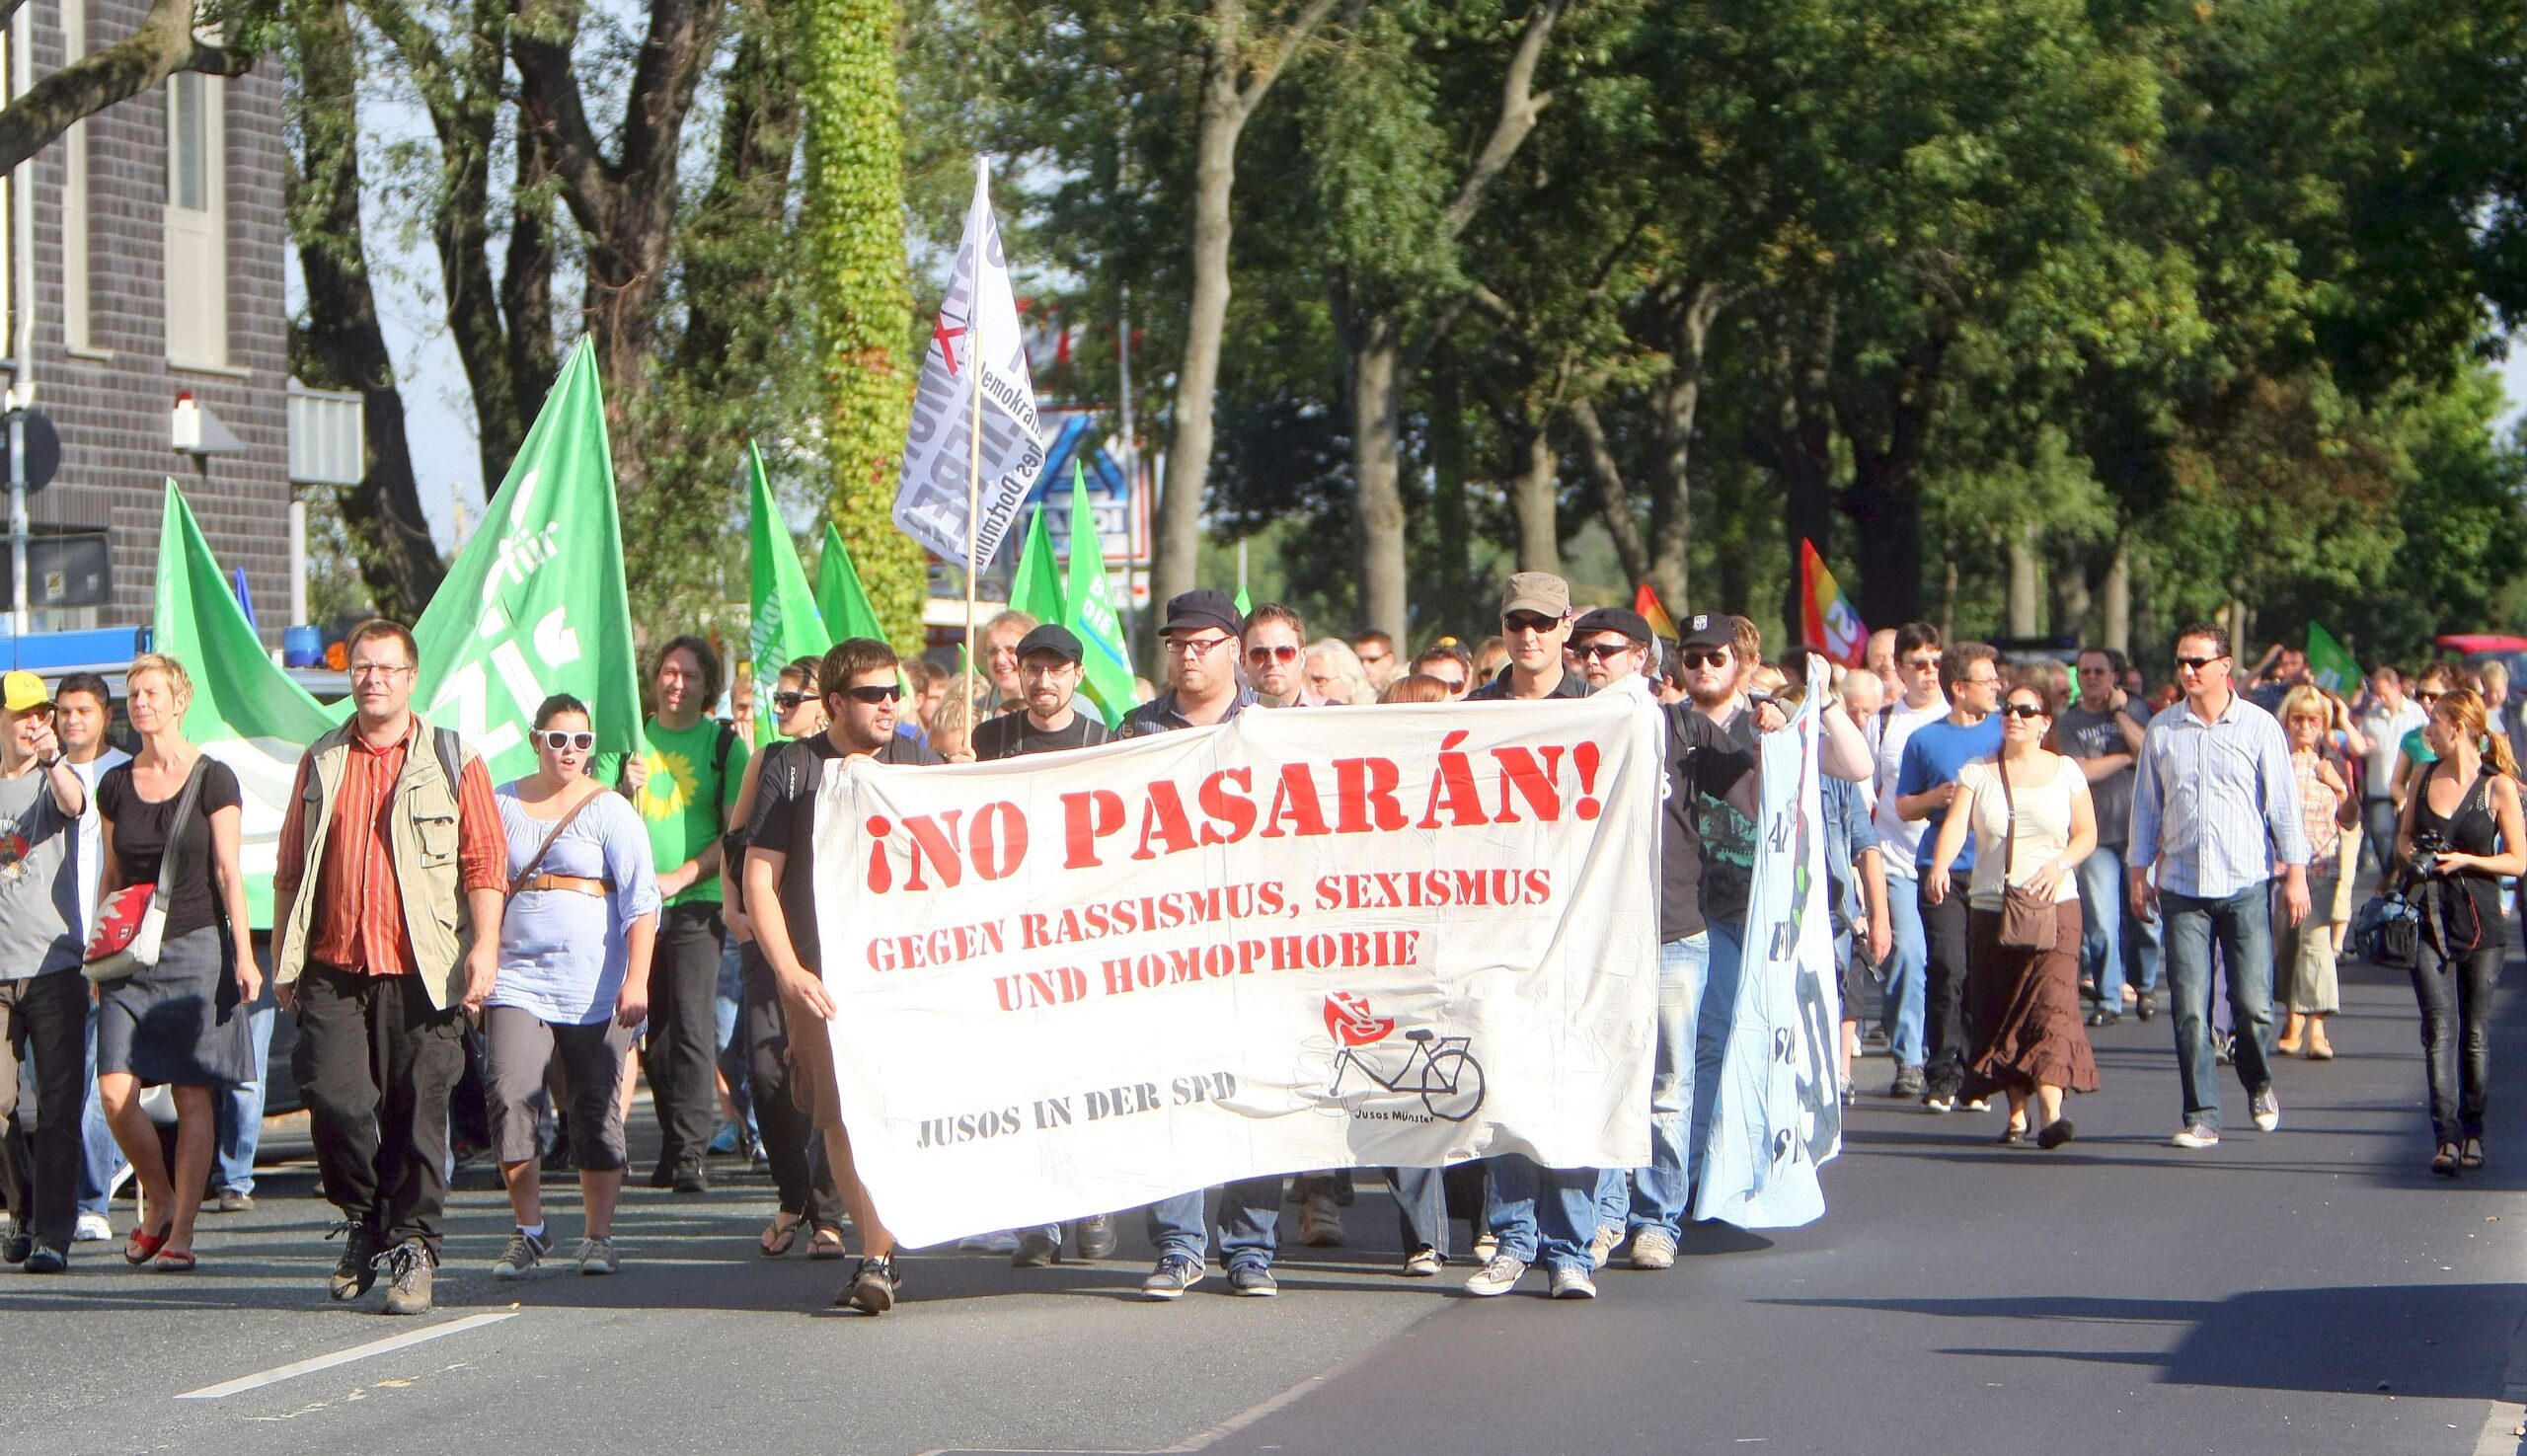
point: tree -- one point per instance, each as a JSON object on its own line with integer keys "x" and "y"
{"x": 165, "y": 43}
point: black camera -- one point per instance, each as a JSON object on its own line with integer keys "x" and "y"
{"x": 2428, "y": 846}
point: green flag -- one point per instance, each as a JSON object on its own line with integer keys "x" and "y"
{"x": 2329, "y": 666}
{"x": 783, "y": 623}
{"x": 1036, "y": 590}
{"x": 245, "y": 712}
{"x": 1245, "y": 603}
{"x": 534, "y": 603}
{"x": 848, "y": 612}
{"x": 1092, "y": 617}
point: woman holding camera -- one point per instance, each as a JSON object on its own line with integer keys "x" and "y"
{"x": 2461, "y": 832}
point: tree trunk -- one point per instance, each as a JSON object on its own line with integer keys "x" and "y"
{"x": 1456, "y": 597}
{"x": 1377, "y": 436}
{"x": 1886, "y": 505}
{"x": 2072, "y": 597}
{"x": 342, "y": 346}
{"x": 2117, "y": 633}
{"x": 1676, "y": 402}
{"x": 1614, "y": 502}
{"x": 2024, "y": 582}
{"x": 1534, "y": 500}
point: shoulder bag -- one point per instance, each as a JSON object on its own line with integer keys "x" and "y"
{"x": 131, "y": 923}
{"x": 518, "y": 882}
{"x": 2028, "y": 919}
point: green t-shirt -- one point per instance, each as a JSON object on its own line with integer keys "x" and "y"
{"x": 688, "y": 795}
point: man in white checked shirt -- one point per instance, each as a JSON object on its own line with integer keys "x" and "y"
{"x": 2215, "y": 808}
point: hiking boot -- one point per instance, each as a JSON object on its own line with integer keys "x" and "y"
{"x": 1253, "y": 1280}
{"x": 1908, "y": 1083}
{"x": 1653, "y": 1249}
{"x": 408, "y": 1268}
{"x": 524, "y": 1251}
{"x": 1499, "y": 1276}
{"x": 1176, "y": 1274}
{"x": 597, "y": 1257}
{"x": 1321, "y": 1222}
{"x": 355, "y": 1272}
{"x": 873, "y": 1290}
{"x": 1095, "y": 1236}
{"x": 1570, "y": 1281}
{"x": 1038, "y": 1248}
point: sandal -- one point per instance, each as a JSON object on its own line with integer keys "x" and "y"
{"x": 2471, "y": 1157}
{"x": 143, "y": 1246}
{"x": 826, "y": 1241}
{"x": 781, "y": 1232}
{"x": 175, "y": 1262}
{"x": 2444, "y": 1163}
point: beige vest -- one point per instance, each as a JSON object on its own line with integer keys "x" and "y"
{"x": 420, "y": 835}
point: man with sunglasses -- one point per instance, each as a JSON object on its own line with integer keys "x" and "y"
{"x": 1446, "y": 662}
{"x": 861, "y": 700}
{"x": 1535, "y": 622}
{"x": 1917, "y": 700}
{"x": 2215, "y": 805}
{"x": 1925, "y": 783}
{"x": 1274, "y": 645}
{"x": 1376, "y": 652}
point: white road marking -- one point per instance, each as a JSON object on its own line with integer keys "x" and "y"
{"x": 297, "y": 1368}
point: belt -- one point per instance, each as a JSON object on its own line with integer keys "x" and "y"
{"x": 575, "y": 884}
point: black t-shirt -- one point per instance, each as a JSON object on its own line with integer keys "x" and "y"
{"x": 1727, "y": 837}
{"x": 1015, "y": 735}
{"x": 785, "y": 820}
{"x": 140, "y": 841}
{"x": 1704, "y": 762}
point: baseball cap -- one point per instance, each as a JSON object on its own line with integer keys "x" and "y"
{"x": 1709, "y": 629}
{"x": 1193, "y": 611}
{"x": 1541, "y": 592}
{"x": 1625, "y": 620}
{"x": 1052, "y": 638}
{"x": 23, "y": 690}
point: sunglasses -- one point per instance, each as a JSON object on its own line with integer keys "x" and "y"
{"x": 558, "y": 740}
{"x": 1598, "y": 651}
{"x": 788, "y": 702}
{"x": 875, "y": 693}
{"x": 2022, "y": 709}
{"x": 2197, "y": 665}
{"x": 1262, "y": 656}
{"x": 2425, "y": 698}
{"x": 1704, "y": 657}
{"x": 1529, "y": 622}
{"x": 1452, "y": 684}
{"x": 1921, "y": 665}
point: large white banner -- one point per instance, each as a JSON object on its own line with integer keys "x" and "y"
{"x": 1080, "y": 982}
{"x": 1778, "y": 1116}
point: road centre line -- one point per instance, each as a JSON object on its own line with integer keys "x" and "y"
{"x": 310, "y": 1366}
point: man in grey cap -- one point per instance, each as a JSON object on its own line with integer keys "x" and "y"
{"x": 1202, "y": 633}
{"x": 1048, "y": 676}
{"x": 1535, "y": 621}
{"x": 43, "y": 1000}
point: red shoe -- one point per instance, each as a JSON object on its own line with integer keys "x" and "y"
{"x": 143, "y": 1246}
{"x": 175, "y": 1262}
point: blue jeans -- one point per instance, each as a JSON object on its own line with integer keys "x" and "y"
{"x": 241, "y": 1109}
{"x": 1249, "y": 1222}
{"x": 2378, "y": 833}
{"x": 102, "y": 1163}
{"x": 1420, "y": 1208}
{"x": 1719, "y": 1011}
{"x": 2241, "y": 923}
{"x": 1906, "y": 965}
{"x": 2144, "y": 955}
{"x": 1659, "y": 1191}
{"x": 1547, "y": 1212}
{"x": 2103, "y": 892}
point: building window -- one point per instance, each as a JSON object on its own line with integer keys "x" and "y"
{"x": 197, "y": 222}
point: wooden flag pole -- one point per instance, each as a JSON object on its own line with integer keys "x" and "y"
{"x": 973, "y": 518}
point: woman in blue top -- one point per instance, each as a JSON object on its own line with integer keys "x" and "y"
{"x": 576, "y": 937}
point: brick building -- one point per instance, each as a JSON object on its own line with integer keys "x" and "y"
{"x": 158, "y": 250}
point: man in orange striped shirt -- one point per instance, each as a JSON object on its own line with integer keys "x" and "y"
{"x": 371, "y": 951}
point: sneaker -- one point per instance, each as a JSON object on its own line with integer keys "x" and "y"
{"x": 1423, "y": 1264}
{"x": 597, "y": 1257}
{"x": 1573, "y": 1282}
{"x": 1653, "y": 1249}
{"x": 1603, "y": 1247}
{"x": 234, "y": 1201}
{"x": 1486, "y": 1245}
{"x": 408, "y": 1268}
{"x": 43, "y": 1259}
{"x": 873, "y": 1289}
{"x": 2197, "y": 1135}
{"x": 2268, "y": 1111}
{"x": 1253, "y": 1280}
{"x": 1499, "y": 1276}
{"x": 93, "y": 1228}
{"x": 355, "y": 1272}
{"x": 1940, "y": 1102}
{"x": 1978, "y": 1105}
{"x": 1908, "y": 1083}
{"x": 1321, "y": 1222}
{"x": 1095, "y": 1237}
{"x": 1038, "y": 1248}
{"x": 1176, "y": 1274}
{"x": 524, "y": 1251}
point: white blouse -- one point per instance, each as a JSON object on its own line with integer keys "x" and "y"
{"x": 2042, "y": 827}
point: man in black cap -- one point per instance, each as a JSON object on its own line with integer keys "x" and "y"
{"x": 1201, "y": 632}
{"x": 1048, "y": 676}
{"x": 1535, "y": 622}
{"x": 1612, "y": 644}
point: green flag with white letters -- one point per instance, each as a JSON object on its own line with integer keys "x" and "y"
{"x": 534, "y": 604}
{"x": 245, "y": 712}
{"x": 785, "y": 623}
{"x": 2330, "y": 664}
{"x": 1092, "y": 616}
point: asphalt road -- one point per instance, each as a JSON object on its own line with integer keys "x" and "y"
{"x": 2309, "y": 1290}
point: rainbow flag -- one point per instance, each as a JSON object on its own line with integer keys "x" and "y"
{"x": 1825, "y": 616}
{"x": 1646, "y": 602}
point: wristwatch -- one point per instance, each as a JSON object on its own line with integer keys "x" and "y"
{"x": 49, "y": 764}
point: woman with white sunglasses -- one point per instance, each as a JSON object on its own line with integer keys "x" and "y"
{"x": 576, "y": 938}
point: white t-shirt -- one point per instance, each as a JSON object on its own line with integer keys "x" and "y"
{"x": 2039, "y": 832}
{"x": 92, "y": 834}
{"x": 2386, "y": 731}
{"x": 1899, "y": 839}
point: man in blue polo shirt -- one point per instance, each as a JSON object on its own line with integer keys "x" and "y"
{"x": 1971, "y": 673}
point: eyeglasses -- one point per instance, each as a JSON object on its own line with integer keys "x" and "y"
{"x": 2199, "y": 665}
{"x": 1535, "y": 622}
{"x": 1704, "y": 657}
{"x": 874, "y": 693}
{"x": 1922, "y": 665}
{"x": 1452, "y": 684}
{"x": 1194, "y": 647}
{"x": 1264, "y": 656}
{"x": 376, "y": 669}
{"x": 558, "y": 740}
{"x": 1368, "y": 662}
{"x": 1598, "y": 651}
{"x": 789, "y": 702}
{"x": 2425, "y": 698}
{"x": 2022, "y": 709}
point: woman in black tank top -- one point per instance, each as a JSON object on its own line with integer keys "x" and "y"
{"x": 2462, "y": 832}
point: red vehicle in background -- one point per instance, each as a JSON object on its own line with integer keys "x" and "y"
{"x": 2475, "y": 649}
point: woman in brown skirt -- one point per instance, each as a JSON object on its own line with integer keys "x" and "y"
{"x": 2033, "y": 823}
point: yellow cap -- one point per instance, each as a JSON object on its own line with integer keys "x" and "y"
{"x": 21, "y": 690}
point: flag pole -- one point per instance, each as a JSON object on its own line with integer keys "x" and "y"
{"x": 974, "y": 483}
